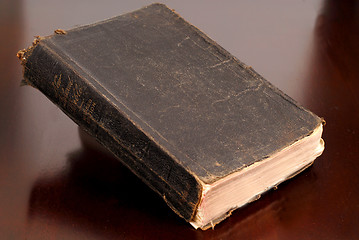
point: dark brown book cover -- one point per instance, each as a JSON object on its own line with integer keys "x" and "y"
{"x": 179, "y": 110}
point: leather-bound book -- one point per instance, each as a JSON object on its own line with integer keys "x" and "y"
{"x": 197, "y": 125}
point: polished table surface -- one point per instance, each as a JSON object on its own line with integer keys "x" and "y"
{"x": 53, "y": 186}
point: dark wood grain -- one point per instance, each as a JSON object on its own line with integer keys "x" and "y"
{"x": 53, "y": 186}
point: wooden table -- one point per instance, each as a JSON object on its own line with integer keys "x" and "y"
{"x": 54, "y": 187}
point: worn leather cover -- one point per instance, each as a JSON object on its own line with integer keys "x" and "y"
{"x": 174, "y": 106}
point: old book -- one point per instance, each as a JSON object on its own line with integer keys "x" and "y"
{"x": 201, "y": 128}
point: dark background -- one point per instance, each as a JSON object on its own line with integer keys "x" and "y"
{"x": 54, "y": 187}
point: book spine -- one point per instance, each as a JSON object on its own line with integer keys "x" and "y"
{"x": 75, "y": 95}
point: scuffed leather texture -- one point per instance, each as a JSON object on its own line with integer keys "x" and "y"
{"x": 155, "y": 89}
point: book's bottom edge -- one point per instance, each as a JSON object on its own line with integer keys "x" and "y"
{"x": 262, "y": 177}
{"x": 216, "y": 221}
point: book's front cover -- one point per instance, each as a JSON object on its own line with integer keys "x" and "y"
{"x": 213, "y": 113}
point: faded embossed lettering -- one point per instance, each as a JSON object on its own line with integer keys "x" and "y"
{"x": 56, "y": 84}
